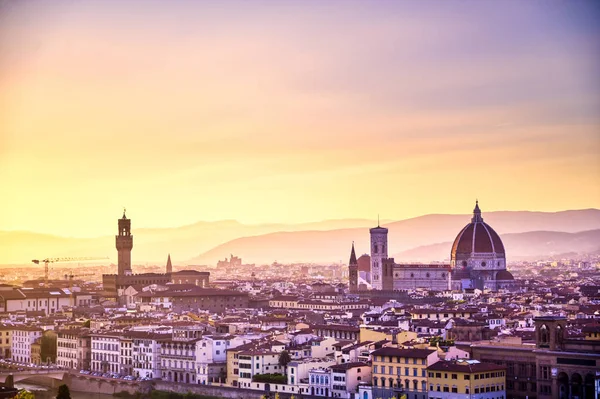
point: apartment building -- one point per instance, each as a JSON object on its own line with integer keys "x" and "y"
{"x": 5, "y": 341}
{"x": 257, "y": 361}
{"x": 466, "y": 379}
{"x": 346, "y": 377}
{"x": 126, "y": 360}
{"x": 106, "y": 351}
{"x": 22, "y": 339}
{"x": 67, "y": 348}
{"x": 146, "y": 353}
{"x": 442, "y": 314}
{"x": 398, "y": 370}
{"x": 178, "y": 360}
{"x": 211, "y": 356}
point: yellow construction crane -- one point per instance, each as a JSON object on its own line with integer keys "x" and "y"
{"x": 53, "y": 260}
{"x": 70, "y": 277}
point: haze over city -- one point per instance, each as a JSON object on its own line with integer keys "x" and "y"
{"x": 295, "y": 199}
{"x": 289, "y": 112}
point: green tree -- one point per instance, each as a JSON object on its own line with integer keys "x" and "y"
{"x": 284, "y": 358}
{"x": 63, "y": 392}
{"x": 23, "y": 394}
{"x": 48, "y": 347}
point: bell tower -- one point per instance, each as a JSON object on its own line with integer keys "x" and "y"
{"x": 124, "y": 242}
{"x": 379, "y": 252}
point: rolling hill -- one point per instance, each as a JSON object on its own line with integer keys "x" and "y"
{"x": 320, "y": 241}
{"x": 334, "y": 245}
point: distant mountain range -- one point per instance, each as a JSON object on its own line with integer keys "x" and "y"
{"x": 520, "y": 246}
{"x": 150, "y": 245}
{"x": 425, "y": 238}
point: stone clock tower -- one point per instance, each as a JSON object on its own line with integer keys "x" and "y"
{"x": 124, "y": 246}
{"x": 379, "y": 252}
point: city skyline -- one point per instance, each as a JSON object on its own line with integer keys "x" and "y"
{"x": 350, "y": 199}
{"x": 269, "y": 112}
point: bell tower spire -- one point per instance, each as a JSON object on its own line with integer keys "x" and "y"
{"x": 169, "y": 265}
{"x": 353, "y": 271}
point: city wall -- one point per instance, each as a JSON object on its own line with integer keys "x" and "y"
{"x": 223, "y": 391}
{"x": 78, "y": 383}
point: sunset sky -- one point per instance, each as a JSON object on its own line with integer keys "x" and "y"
{"x": 293, "y": 111}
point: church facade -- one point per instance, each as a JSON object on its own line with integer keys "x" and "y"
{"x": 477, "y": 260}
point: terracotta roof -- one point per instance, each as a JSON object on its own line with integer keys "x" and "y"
{"x": 390, "y": 351}
{"x": 464, "y": 366}
{"x": 348, "y": 366}
{"x": 477, "y": 237}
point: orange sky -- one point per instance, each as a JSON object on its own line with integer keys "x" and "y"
{"x": 293, "y": 111}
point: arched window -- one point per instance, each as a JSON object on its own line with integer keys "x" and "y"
{"x": 483, "y": 263}
{"x": 427, "y": 275}
{"x": 443, "y": 275}
{"x": 412, "y": 275}
{"x": 415, "y": 385}
{"x": 559, "y": 335}
{"x": 375, "y": 379}
{"x": 544, "y": 335}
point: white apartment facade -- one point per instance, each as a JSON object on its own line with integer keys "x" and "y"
{"x": 22, "y": 338}
{"x": 106, "y": 352}
{"x": 211, "y": 356}
{"x": 178, "y": 360}
{"x": 66, "y": 348}
{"x": 146, "y": 353}
{"x": 258, "y": 361}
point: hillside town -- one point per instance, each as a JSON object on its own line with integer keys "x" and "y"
{"x": 365, "y": 330}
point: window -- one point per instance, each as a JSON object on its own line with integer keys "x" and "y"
{"x": 454, "y": 376}
{"x": 467, "y": 377}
